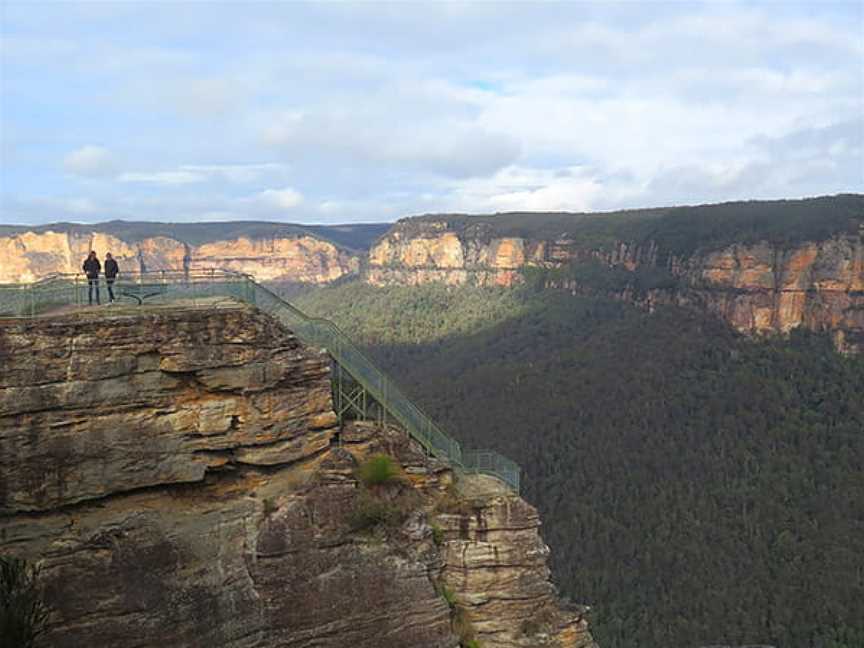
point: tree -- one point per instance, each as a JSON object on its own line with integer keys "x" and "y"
{"x": 23, "y": 615}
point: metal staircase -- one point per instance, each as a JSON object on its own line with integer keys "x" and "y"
{"x": 360, "y": 388}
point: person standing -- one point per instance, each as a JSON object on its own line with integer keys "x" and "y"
{"x": 111, "y": 272}
{"x": 91, "y": 269}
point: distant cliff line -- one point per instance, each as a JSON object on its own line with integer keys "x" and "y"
{"x": 789, "y": 263}
{"x": 763, "y": 266}
{"x": 30, "y": 255}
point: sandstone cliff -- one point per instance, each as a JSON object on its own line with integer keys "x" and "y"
{"x": 180, "y": 476}
{"x": 29, "y": 256}
{"x": 758, "y": 288}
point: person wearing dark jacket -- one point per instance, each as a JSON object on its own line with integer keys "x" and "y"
{"x": 111, "y": 271}
{"x": 91, "y": 269}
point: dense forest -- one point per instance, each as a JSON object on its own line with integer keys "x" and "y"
{"x": 696, "y": 487}
{"x": 676, "y": 230}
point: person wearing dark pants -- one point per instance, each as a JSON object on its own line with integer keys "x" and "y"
{"x": 111, "y": 272}
{"x": 91, "y": 269}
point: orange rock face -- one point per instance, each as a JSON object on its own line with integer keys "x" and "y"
{"x": 758, "y": 288}
{"x": 29, "y": 256}
{"x": 438, "y": 256}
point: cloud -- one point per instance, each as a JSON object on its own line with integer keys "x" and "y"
{"x": 365, "y": 113}
{"x": 286, "y": 198}
{"x": 529, "y": 189}
{"x": 237, "y": 173}
{"x": 166, "y": 178}
{"x": 196, "y": 173}
{"x": 89, "y": 160}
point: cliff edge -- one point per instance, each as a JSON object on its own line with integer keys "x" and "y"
{"x": 181, "y": 478}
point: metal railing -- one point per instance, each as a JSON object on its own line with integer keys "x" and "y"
{"x": 61, "y": 291}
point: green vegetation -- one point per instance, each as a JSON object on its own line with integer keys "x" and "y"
{"x": 448, "y": 596}
{"x": 406, "y": 315}
{"x": 461, "y": 624}
{"x": 677, "y": 230}
{"x": 378, "y": 469}
{"x": 23, "y": 615}
{"x": 371, "y": 512}
{"x": 696, "y": 487}
{"x": 385, "y": 499}
{"x": 437, "y": 535}
{"x": 597, "y": 278}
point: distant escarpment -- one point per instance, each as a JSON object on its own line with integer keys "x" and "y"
{"x": 181, "y": 478}
{"x": 763, "y": 267}
{"x": 268, "y": 253}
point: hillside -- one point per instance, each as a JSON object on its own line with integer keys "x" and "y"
{"x": 697, "y": 488}
{"x": 763, "y": 267}
{"x": 677, "y": 230}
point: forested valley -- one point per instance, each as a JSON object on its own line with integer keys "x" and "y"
{"x": 696, "y": 487}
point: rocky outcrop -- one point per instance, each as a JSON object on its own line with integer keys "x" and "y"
{"x": 760, "y": 288}
{"x": 29, "y": 256}
{"x": 495, "y": 566}
{"x": 180, "y": 478}
{"x": 438, "y": 255}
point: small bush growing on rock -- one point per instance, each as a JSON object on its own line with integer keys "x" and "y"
{"x": 371, "y": 512}
{"x": 23, "y": 615}
{"x": 448, "y": 595}
{"x": 463, "y": 628}
{"x": 270, "y": 507}
{"x": 437, "y": 535}
{"x": 378, "y": 469}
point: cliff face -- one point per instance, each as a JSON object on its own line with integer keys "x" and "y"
{"x": 760, "y": 288}
{"x": 28, "y": 256}
{"x": 180, "y": 477}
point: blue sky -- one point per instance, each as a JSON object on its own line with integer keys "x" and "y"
{"x": 350, "y": 112}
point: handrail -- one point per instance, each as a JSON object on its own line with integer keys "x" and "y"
{"x": 70, "y": 289}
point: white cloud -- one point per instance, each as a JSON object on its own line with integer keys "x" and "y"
{"x": 163, "y": 177}
{"x": 278, "y": 198}
{"x": 89, "y": 160}
{"x": 237, "y": 173}
{"x": 527, "y": 189}
{"x": 378, "y": 133}
{"x": 569, "y": 106}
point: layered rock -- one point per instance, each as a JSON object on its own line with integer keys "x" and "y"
{"x": 180, "y": 478}
{"x": 760, "y": 288}
{"x": 438, "y": 255}
{"x": 29, "y": 256}
{"x": 495, "y": 566}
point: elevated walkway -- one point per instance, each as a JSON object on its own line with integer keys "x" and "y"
{"x": 360, "y": 388}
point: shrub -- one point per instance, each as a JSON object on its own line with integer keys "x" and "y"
{"x": 270, "y": 507}
{"x": 378, "y": 469}
{"x": 23, "y": 615}
{"x": 437, "y": 535}
{"x": 371, "y": 512}
{"x": 464, "y": 629}
{"x": 448, "y": 595}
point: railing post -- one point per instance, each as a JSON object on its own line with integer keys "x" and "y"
{"x": 32, "y": 303}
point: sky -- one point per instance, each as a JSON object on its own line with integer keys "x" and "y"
{"x": 337, "y": 112}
